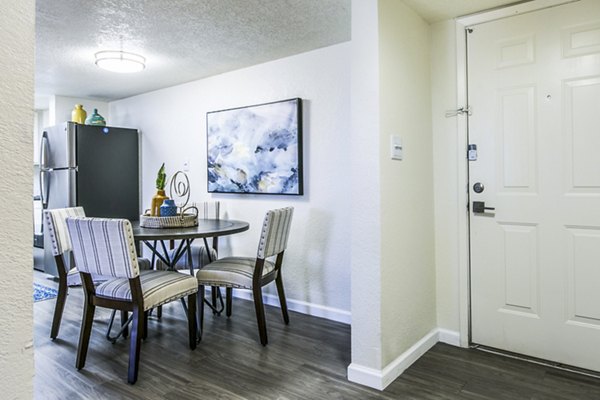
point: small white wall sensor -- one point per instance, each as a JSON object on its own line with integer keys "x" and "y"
{"x": 395, "y": 147}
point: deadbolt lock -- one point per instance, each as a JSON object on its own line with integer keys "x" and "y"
{"x": 478, "y": 187}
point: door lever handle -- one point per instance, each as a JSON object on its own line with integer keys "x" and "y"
{"x": 479, "y": 207}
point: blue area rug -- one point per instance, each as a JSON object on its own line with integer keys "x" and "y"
{"x": 41, "y": 292}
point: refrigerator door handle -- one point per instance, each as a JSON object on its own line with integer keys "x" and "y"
{"x": 43, "y": 150}
{"x": 43, "y": 170}
{"x": 43, "y": 189}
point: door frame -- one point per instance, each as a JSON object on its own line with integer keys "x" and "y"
{"x": 464, "y": 257}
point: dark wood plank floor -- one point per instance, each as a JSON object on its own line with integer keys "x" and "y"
{"x": 305, "y": 360}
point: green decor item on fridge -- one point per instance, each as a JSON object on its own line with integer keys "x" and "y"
{"x": 95, "y": 119}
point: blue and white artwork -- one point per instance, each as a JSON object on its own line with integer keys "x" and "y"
{"x": 256, "y": 149}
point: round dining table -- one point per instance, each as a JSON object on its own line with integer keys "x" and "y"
{"x": 206, "y": 228}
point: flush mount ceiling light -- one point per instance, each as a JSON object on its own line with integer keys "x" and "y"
{"x": 120, "y": 61}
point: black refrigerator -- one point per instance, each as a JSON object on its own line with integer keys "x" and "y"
{"x": 95, "y": 167}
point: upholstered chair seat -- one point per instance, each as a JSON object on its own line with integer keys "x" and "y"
{"x": 234, "y": 272}
{"x": 253, "y": 272}
{"x": 158, "y": 287}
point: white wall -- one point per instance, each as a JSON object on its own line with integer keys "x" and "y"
{"x": 173, "y": 126}
{"x": 16, "y": 108}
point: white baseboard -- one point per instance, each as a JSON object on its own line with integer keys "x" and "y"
{"x": 366, "y": 376}
{"x": 449, "y": 337}
{"x": 315, "y": 310}
{"x": 380, "y": 379}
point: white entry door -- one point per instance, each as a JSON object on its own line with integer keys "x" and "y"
{"x": 534, "y": 88}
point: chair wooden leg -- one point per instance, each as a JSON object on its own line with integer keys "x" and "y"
{"x": 260, "y": 314}
{"x": 159, "y": 312}
{"x": 200, "y": 300}
{"x": 229, "y": 300}
{"x": 124, "y": 317}
{"x": 135, "y": 344}
{"x": 213, "y": 295}
{"x": 282, "y": 302}
{"x": 145, "y": 332}
{"x": 192, "y": 320}
{"x": 61, "y": 299}
{"x": 84, "y": 335}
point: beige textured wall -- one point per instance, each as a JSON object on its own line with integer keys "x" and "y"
{"x": 407, "y": 237}
{"x": 393, "y": 268}
{"x": 16, "y": 127}
{"x": 366, "y": 215}
{"x": 446, "y": 165}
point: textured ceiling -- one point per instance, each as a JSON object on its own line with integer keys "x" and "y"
{"x": 182, "y": 40}
{"x": 185, "y": 40}
{"x": 439, "y": 10}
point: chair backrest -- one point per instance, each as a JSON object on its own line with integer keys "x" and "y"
{"x": 56, "y": 221}
{"x": 104, "y": 246}
{"x": 208, "y": 209}
{"x": 275, "y": 232}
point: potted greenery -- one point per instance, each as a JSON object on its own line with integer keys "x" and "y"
{"x": 159, "y": 197}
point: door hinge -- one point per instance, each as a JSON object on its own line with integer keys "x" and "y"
{"x": 463, "y": 110}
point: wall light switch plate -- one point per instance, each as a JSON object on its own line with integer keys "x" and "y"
{"x": 396, "y": 147}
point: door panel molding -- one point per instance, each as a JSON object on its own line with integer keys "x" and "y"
{"x": 581, "y": 40}
{"x": 581, "y": 97}
{"x": 517, "y": 137}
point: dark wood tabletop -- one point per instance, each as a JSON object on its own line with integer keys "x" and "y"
{"x": 205, "y": 228}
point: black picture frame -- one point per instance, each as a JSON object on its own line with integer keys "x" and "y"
{"x": 256, "y": 149}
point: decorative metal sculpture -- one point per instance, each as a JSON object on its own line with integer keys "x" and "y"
{"x": 179, "y": 189}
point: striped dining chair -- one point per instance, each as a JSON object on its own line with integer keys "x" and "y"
{"x": 253, "y": 272}
{"x": 56, "y": 221}
{"x": 106, "y": 247}
{"x": 61, "y": 247}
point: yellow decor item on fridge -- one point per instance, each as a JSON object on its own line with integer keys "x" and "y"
{"x": 78, "y": 114}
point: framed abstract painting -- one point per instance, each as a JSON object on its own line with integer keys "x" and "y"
{"x": 256, "y": 149}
